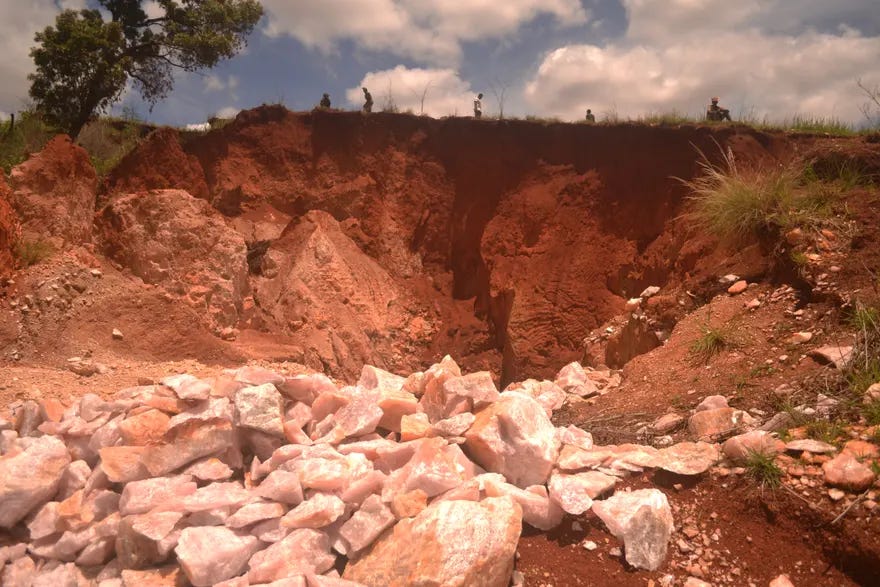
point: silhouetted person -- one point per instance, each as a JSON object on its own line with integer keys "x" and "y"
{"x": 325, "y": 101}
{"x": 590, "y": 117}
{"x": 716, "y": 112}
{"x": 478, "y": 106}
{"x": 368, "y": 101}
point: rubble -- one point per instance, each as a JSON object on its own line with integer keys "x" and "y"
{"x": 255, "y": 477}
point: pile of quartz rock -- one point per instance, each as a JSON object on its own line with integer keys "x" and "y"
{"x": 253, "y": 478}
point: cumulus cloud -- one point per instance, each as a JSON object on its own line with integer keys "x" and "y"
{"x": 217, "y": 83}
{"x": 19, "y": 21}
{"x": 445, "y": 93}
{"x": 428, "y": 31}
{"x": 678, "y": 53}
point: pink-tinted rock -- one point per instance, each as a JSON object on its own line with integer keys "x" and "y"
{"x": 689, "y": 458}
{"x": 615, "y": 459}
{"x": 139, "y": 542}
{"x": 574, "y": 436}
{"x": 409, "y": 504}
{"x": 810, "y": 445}
{"x": 573, "y": 379}
{"x": 302, "y": 551}
{"x": 367, "y": 524}
{"x": 188, "y": 387}
{"x": 330, "y": 401}
{"x": 98, "y": 552}
{"x": 61, "y": 576}
{"x": 846, "y": 472}
{"x": 434, "y": 468}
{"x": 255, "y": 512}
{"x": 333, "y": 473}
{"x": 712, "y": 402}
{"x": 270, "y": 531}
{"x": 30, "y": 478}
{"x": 454, "y": 543}
{"x": 122, "y": 464}
{"x": 145, "y": 428}
{"x": 209, "y": 555}
{"x": 433, "y": 398}
{"x": 210, "y": 469}
{"x": 45, "y": 522}
{"x": 281, "y": 486}
{"x": 514, "y": 437}
{"x": 139, "y": 497}
{"x": 548, "y": 394}
{"x": 168, "y": 576}
{"x": 740, "y": 447}
{"x": 413, "y": 426}
{"x": 188, "y": 442}
{"x": 454, "y": 426}
{"x": 215, "y": 407}
{"x": 19, "y": 573}
{"x": 216, "y": 496}
{"x": 538, "y": 510}
{"x": 643, "y": 521}
{"x": 360, "y": 416}
{"x": 359, "y": 489}
{"x": 306, "y": 388}
{"x": 316, "y": 512}
{"x": 667, "y": 423}
{"x": 713, "y": 422}
{"x": 575, "y": 493}
{"x": 75, "y": 477}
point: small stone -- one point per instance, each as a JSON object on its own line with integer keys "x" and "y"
{"x": 846, "y": 472}
{"x": 650, "y": 291}
{"x": 738, "y": 287}
{"x": 801, "y": 337}
{"x": 781, "y": 581}
{"x": 590, "y": 545}
{"x": 209, "y": 555}
{"x": 836, "y": 494}
{"x": 117, "y": 334}
{"x": 667, "y": 423}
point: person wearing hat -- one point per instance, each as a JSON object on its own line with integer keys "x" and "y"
{"x": 716, "y": 112}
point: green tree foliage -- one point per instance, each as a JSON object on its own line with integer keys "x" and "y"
{"x": 84, "y": 62}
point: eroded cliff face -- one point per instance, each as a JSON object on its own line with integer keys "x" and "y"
{"x": 383, "y": 239}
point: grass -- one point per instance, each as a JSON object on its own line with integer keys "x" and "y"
{"x": 29, "y": 135}
{"x": 825, "y": 430}
{"x": 871, "y": 412}
{"x": 31, "y": 252}
{"x": 762, "y": 468}
{"x": 109, "y": 140}
{"x": 712, "y": 341}
{"x": 740, "y": 204}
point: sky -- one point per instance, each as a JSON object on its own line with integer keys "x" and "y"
{"x": 765, "y": 59}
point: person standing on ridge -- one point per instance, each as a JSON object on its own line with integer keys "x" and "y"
{"x": 325, "y": 101}
{"x": 478, "y": 106}
{"x": 368, "y": 101}
{"x": 590, "y": 117}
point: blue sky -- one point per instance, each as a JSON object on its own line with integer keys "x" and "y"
{"x": 765, "y": 58}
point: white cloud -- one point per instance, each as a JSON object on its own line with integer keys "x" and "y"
{"x": 429, "y": 31}
{"x": 228, "y": 112}
{"x": 678, "y": 53}
{"x": 217, "y": 83}
{"x": 444, "y": 92}
{"x": 19, "y": 21}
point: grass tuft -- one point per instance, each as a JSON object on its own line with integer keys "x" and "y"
{"x": 762, "y": 468}
{"x": 32, "y": 252}
{"x": 710, "y": 343}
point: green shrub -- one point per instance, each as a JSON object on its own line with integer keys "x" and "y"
{"x": 31, "y": 252}
{"x": 29, "y": 135}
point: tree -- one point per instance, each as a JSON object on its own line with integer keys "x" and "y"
{"x": 85, "y": 61}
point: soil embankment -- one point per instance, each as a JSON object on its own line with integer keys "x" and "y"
{"x": 504, "y": 243}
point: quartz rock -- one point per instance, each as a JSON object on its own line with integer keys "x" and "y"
{"x": 452, "y": 543}
{"x": 300, "y": 552}
{"x": 643, "y": 521}
{"x": 366, "y": 524}
{"x": 738, "y": 448}
{"x": 30, "y": 478}
{"x": 260, "y": 408}
{"x": 209, "y": 555}
{"x": 255, "y": 512}
{"x": 139, "y": 497}
{"x": 689, "y": 458}
{"x": 514, "y": 437}
{"x": 575, "y": 493}
{"x": 316, "y": 512}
